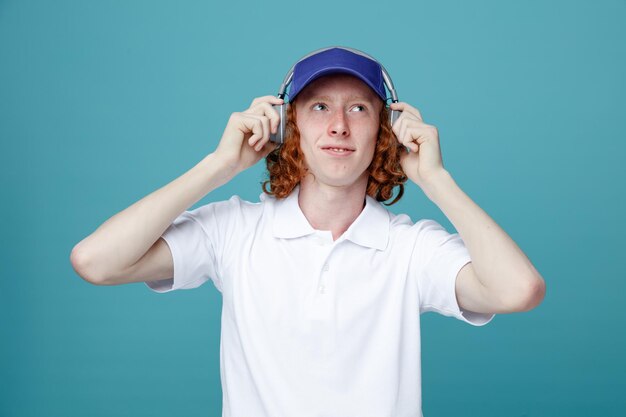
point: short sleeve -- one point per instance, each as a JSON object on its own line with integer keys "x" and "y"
{"x": 193, "y": 239}
{"x": 441, "y": 256}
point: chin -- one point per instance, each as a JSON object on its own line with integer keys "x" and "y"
{"x": 341, "y": 181}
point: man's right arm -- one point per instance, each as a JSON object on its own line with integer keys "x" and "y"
{"x": 128, "y": 247}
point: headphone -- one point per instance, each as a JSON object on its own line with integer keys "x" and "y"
{"x": 279, "y": 136}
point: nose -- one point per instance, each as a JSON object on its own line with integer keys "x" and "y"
{"x": 339, "y": 126}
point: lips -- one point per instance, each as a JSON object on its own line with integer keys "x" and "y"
{"x": 338, "y": 150}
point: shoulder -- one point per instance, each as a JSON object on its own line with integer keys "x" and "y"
{"x": 421, "y": 232}
{"x": 234, "y": 206}
{"x": 403, "y": 223}
{"x": 224, "y": 217}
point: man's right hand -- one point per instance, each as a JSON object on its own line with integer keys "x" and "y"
{"x": 127, "y": 247}
{"x": 246, "y": 136}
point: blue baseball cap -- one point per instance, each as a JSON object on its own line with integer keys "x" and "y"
{"x": 337, "y": 61}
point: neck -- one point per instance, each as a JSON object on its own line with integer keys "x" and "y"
{"x": 331, "y": 208}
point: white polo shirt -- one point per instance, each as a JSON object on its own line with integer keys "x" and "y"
{"x": 313, "y": 327}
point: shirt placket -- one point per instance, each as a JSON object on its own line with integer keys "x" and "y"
{"x": 322, "y": 313}
{"x": 323, "y": 299}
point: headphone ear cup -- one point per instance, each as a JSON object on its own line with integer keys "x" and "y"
{"x": 279, "y": 136}
{"x": 393, "y": 116}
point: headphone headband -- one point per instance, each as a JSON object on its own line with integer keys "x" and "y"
{"x": 386, "y": 78}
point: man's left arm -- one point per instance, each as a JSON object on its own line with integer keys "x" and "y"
{"x": 500, "y": 278}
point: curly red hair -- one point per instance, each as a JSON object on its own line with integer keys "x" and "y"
{"x": 286, "y": 166}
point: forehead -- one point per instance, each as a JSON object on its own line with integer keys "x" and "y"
{"x": 339, "y": 86}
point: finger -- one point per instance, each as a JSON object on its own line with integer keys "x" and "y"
{"x": 412, "y": 146}
{"x": 266, "y": 99}
{"x": 409, "y": 132}
{"x": 260, "y": 146}
{"x": 395, "y": 128}
{"x": 267, "y": 110}
{"x": 402, "y": 120}
{"x": 404, "y": 155}
{"x": 421, "y": 132}
{"x": 250, "y": 123}
{"x": 256, "y": 127}
{"x": 263, "y": 144}
{"x": 407, "y": 140}
{"x": 405, "y": 107}
{"x": 267, "y": 148}
{"x": 266, "y": 128}
{"x": 407, "y": 124}
{"x": 402, "y": 133}
{"x": 417, "y": 125}
{"x": 264, "y": 123}
{"x": 253, "y": 139}
{"x": 266, "y": 136}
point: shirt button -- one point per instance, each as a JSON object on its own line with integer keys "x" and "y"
{"x": 325, "y": 268}
{"x": 322, "y": 289}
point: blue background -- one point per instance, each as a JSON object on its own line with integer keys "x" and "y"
{"x": 103, "y": 102}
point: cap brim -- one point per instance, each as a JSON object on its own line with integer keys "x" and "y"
{"x": 335, "y": 70}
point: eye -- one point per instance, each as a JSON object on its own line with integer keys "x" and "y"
{"x": 359, "y": 106}
{"x": 319, "y": 106}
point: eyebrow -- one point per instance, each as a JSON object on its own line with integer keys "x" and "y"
{"x": 350, "y": 99}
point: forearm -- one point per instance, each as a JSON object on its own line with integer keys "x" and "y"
{"x": 124, "y": 238}
{"x": 499, "y": 263}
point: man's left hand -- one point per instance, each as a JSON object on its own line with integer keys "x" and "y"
{"x": 422, "y": 162}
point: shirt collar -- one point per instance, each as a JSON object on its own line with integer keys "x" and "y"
{"x": 369, "y": 229}
{"x": 289, "y": 221}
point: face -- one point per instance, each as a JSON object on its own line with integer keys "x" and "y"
{"x": 338, "y": 120}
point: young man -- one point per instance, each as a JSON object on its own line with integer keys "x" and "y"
{"x": 322, "y": 286}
